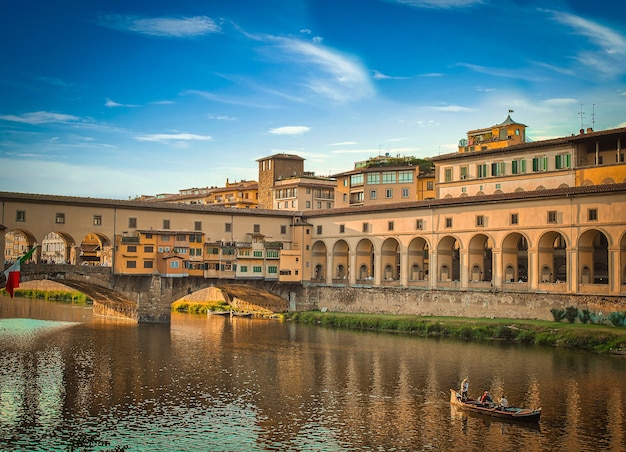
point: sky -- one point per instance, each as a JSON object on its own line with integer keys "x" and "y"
{"x": 117, "y": 99}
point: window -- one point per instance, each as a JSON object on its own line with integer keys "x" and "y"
{"x": 20, "y": 215}
{"x": 482, "y": 170}
{"x": 286, "y": 204}
{"x": 131, "y": 264}
{"x": 272, "y": 269}
{"x": 243, "y": 269}
{"x": 356, "y": 179}
{"x": 345, "y": 182}
{"x": 257, "y": 253}
{"x": 430, "y": 185}
{"x": 366, "y": 227}
{"x": 552, "y": 216}
{"x": 97, "y": 220}
{"x": 562, "y": 161}
{"x": 389, "y": 193}
{"x": 419, "y": 224}
{"x": 390, "y": 225}
{"x": 373, "y": 178}
{"x": 372, "y": 194}
{"x": 342, "y": 228}
{"x": 132, "y": 222}
{"x": 148, "y": 249}
{"x": 592, "y": 214}
{"x": 514, "y": 218}
{"x": 540, "y": 164}
{"x": 228, "y": 227}
{"x": 405, "y": 177}
{"x": 389, "y": 177}
{"x": 256, "y": 228}
{"x": 197, "y": 226}
{"x": 60, "y": 218}
{"x": 174, "y": 263}
{"x": 283, "y": 229}
{"x": 131, "y": 248}
{"x": 448, "y": 222}
{"x": 257, "y": 269}
{"x": 198, "y": 251}
{"x": 308, "y": 204}
{"x": 166, "y": 237}
{"x": 464, "y": 172}
{"x": 319, "y": 204}
{"x": 166, "y": 224}
{"x": 518, "y": 166}
{"x": 448, "y": 174}
{"x": 148, "y": 264}
{"x": 480, "y": 220}
{"x": 345, "y": 197}
{"x": 319, "y": 229}
{"x": 497, "y": 169}
{"x": 274, "y": 254}
{"x": 405, "y": 192}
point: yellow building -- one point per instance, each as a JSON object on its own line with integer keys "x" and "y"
{"x": 242, "y": 195}
{"x": 505, "y": 134}
{"x": 305, "y": 192}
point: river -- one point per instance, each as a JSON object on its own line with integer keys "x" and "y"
{"x": 69, "y": 380}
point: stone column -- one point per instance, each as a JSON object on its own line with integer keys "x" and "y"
{"x": 464, "y": 271}
{"x": 496, "y": 268}
{"x": 352, "y": 270}
{"x": 329, "y": 268}
{"x": 378, "y": 270}
{"x": 404, "y": 266}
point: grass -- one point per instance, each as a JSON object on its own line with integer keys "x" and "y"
{"x": 63, "y": 296}
{"x": 193, "y": 307}
{"x": 599, "y": 338}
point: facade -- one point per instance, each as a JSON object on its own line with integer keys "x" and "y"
{"x": 243, "y": 195}
{"x": 589, "y": 158}
{"x": 502, "y": 135}
{"x": 304, "y": 193}
{"x": 274, "y": 168}
{"x": 385, "y": 180}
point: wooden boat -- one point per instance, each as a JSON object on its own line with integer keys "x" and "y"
{"x": 218, "y": 312}
{"x": 241, "y": 314}
{"x": 512, "y": 413}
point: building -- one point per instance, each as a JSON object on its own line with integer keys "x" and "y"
{"x": 305, "y": 192}
{"x": 589, "y": 158}
{"x": 274, "y": 168}
{"x": 385, "y": 180}
{"x": 241, "y": 195}
{"x": 505, "y": 134}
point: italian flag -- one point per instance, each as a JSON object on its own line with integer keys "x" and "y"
{"x": 12, "y": 274}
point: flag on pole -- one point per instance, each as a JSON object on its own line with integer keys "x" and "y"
{"x": 12, "y": 274}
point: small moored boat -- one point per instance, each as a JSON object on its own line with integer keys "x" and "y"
{"x": 512, "y": 413}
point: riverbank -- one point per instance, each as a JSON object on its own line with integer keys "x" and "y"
{"x": 598, "y": 338}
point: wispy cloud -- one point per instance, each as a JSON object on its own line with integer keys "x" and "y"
{"x": 170, "y": 27}
{"x": 336, "y": 77}
{"x": 289, "y": 130}
{"x": 610, "y": 56}
{"x": 112, "y": 104}
{"x": 168, "y": 137}
{"x": 41, "y": 117}
{"x": 501, "y": 72}
{"x": 451, "y": 108}
{"x": 344, "y": 143}
{"x": 380, "y": 76}
{"x": 221, "y": 118}
{"x": 226, "y": 99}
{"x": 439, "y": 4}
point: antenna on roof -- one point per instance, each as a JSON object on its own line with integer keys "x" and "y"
{"x": 581, "y": 114}
{"x": 593, "y": 116}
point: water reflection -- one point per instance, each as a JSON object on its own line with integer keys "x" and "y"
{"x": 244, "y": 384}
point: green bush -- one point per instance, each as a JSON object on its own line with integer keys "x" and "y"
{"x": 571, "y": 314}
{"x": 617, "y": 318}
{"x": 557, "y": 314}
{"x": 585, "y": 316}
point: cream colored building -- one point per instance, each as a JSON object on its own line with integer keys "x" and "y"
{"x": 303, "y": 193}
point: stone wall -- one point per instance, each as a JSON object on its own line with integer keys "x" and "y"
{"x": 450, "y": 302}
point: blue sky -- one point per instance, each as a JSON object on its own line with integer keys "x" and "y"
{"x": 117, "y": 99}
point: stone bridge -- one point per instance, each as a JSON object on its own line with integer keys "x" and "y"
{"x": 148, "y": 298}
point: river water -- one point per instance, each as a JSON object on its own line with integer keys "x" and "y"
{"x": 71, "y": 380}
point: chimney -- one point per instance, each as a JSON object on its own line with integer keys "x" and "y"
{"x": 582, "y": 131}
{"x": 589, "y": 130}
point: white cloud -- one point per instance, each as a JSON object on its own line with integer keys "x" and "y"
{"x": 380, "y": 76}
{"x": 289, "y": 130}
{"x": 222, "y": 118}
{"x": 41, "y": 117}
{"x": 112, "y": 104}
{"x": 339, "y": 78}
{"x": 452, "y": 108}
{"x": 172, "y": 27}
{"x": 167, "y": 137}
{"x": 344, "y": 143}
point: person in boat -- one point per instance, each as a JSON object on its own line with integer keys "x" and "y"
{"x": 486, "y": 399}
{"x": 504, "y": 403}
{"x": 464, "y": 388}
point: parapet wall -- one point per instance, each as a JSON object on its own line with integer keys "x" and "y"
{"x": 450, "y": 302}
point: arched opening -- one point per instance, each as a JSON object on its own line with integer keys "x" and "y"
{"x": 390, "y": 253}
{"x": 318, "y": 261}
{"x": 449, "y": 259}
{"x": 341, "y": 256}
{"x": 553, "y": 257}
{"x": 418, "y": 259}
{"x": 95, "y": 249}
{"x": 18, "y": 243}
{"x": 363, "y": 273}
{"x": 480, "y": 258}
{"x": 365, "y": 258}
{"x": 593, "y": 255}
{"x": 515, "y": 258}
